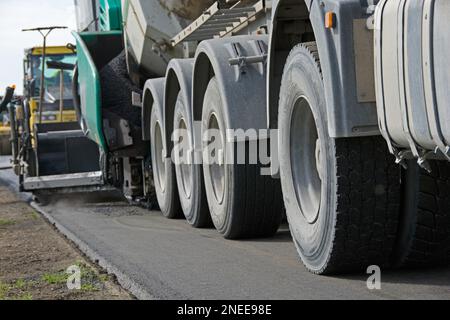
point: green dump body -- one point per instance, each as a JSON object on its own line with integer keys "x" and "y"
{"x": 110, "y": 15}
{"x": 95, "y": 50}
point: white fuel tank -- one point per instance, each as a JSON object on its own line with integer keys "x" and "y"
{"x": 412, "y": 47}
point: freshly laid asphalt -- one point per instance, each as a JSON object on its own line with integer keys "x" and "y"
{"x": 156, "y": 258}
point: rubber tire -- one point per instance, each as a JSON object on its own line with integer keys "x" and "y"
{"x": 252, "y": 205}
{"x": 359, "y": 205}
{"x": 424, "y": 236}
{"x": 195, "y": 205}
{"x": 5, "y": 146}
{"x": 42, "y": 198}
{"x": 167, "y": 196}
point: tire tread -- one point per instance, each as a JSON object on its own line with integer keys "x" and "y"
{"x": 369, "y": 201}
{"x": 430, "y": 243}
{"x": 257, "y": 217}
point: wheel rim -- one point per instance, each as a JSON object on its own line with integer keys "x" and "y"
{"x": 160, "y": 157}
{"x": 217, "y": 170}
{"x": 306, "y": 160}
{"x": 185, "y": 165}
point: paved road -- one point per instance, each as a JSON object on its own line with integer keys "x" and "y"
{"x": 157, "y": 258}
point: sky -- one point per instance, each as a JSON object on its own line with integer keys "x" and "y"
{"x": 16, "y": 15}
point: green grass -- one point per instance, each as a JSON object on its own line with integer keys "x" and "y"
{"x": 104, "y": 278}
{"x": 4, "y": 290}
{"x": 89, "y": 273}
{"x": 16, "y": 291}
{"x": 24, "y": 297}
{"x": 20, "y": 284}
{"x": 88, "y": 287}
{"x": 90, "y": 280}
{"x": 55, "y": 278}
{"x": 33, "y": 215}
{"x": 6, "y": 223}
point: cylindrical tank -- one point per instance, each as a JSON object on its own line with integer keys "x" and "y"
{"x": 412, "y": 48}
{"x": 148, "y": 28}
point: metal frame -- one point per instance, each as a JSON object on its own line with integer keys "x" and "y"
{"x": 218, "y": 22}
{"x": 64, "y": 181}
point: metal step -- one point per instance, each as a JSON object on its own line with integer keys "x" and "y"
{"x": 74, "y": 180}
{"x": 218, "y": 22}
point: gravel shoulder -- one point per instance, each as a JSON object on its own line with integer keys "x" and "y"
{"x": 34, "y": 258}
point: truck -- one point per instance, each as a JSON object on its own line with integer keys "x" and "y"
{"x": 47, "y": 142}
{"x": 347, "y": 101}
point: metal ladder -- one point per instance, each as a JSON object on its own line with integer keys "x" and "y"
{"x": 218, "y": 21}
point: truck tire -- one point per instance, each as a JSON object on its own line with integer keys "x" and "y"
{"x": 342, "y": 196}
{"x": 424, "y": 236}
{"x": 5, "y": 146}
{"x": 242, "y": 202}
{"x": 163, "y": 171}
{"x": 189, "y": 174}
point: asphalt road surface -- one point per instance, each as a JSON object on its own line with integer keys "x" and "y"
{"x": 160, "y": 259}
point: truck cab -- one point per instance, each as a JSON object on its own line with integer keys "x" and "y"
{"x": 57, "y": 85}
